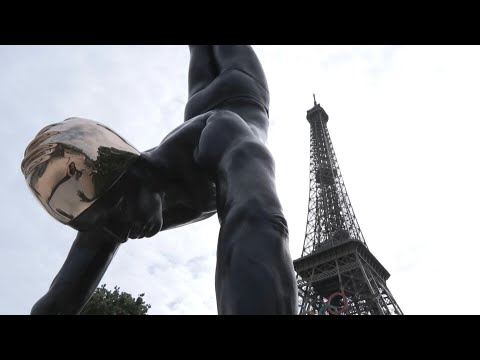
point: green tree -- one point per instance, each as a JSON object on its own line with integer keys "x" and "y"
{"x": 106, "y": 302}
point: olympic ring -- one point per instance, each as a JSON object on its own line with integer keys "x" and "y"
{"x": 342, "y": 309}
{"x": 328, "y": 307}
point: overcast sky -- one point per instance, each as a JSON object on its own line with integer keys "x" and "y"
{"x": 403, "y": 122}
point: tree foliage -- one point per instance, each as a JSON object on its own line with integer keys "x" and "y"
{"x": 106, "y": 302}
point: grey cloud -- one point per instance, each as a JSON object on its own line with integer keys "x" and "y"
{"x": 405, "y": 140}
{"x": 199, "y": 265}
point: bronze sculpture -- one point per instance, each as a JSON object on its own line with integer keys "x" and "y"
{"x": 90, "y": 178}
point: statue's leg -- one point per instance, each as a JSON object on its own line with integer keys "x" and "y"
{"x": 241, "y": 58}
{"x": 228, "y": 77}
{"x": 243, "y": 86}
{"x": 254, "y": 272}
{"x": 202, "y": 69}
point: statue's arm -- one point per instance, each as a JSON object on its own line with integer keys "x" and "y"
{"x": 86, "y": 263}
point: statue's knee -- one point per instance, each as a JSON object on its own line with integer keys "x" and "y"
{"x": 263, "y": 213}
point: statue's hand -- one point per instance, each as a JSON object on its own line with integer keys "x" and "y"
{"x": 138, "y": 212}
{"x": 144, "y": 212}
{"x": 132, "y": 209}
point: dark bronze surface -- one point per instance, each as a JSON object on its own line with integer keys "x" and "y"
{"x": 216, "y": 161}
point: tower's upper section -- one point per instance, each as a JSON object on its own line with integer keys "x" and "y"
{"x": 316, "y": 113}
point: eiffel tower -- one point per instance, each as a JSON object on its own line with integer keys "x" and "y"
{"x": 336, "y": 273}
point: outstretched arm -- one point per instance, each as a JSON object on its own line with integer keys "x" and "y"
{"x": 87, "y": 261}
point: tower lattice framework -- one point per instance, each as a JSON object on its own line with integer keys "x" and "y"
{"x": 337, "y": 273}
